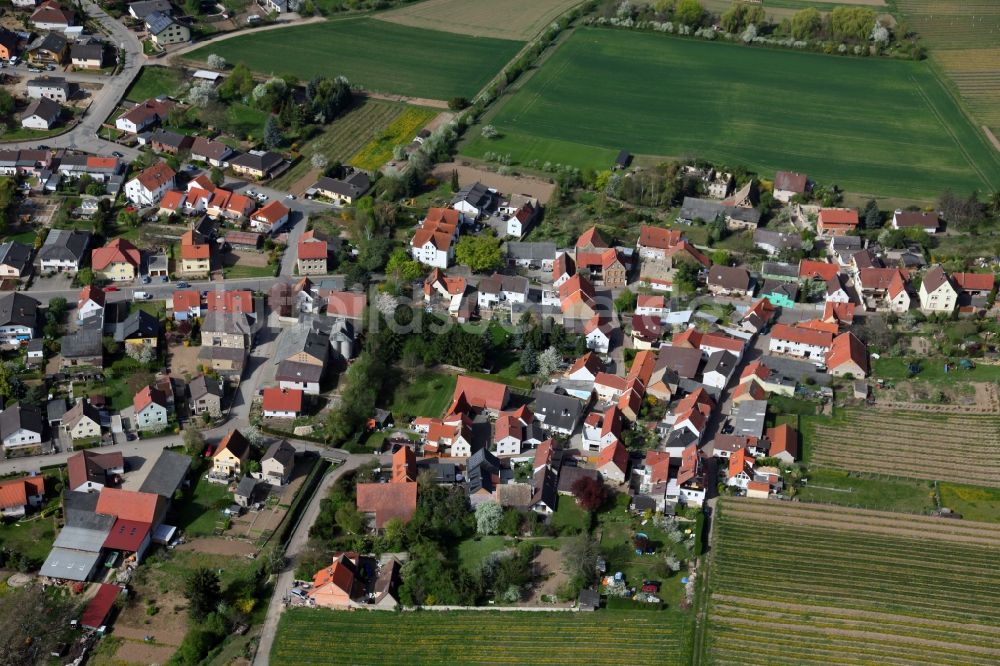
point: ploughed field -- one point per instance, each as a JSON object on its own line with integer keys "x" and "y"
{"x": 318, "y": 636}
{"x": 872, "y": 126}
{"x": 376, "y": 55}
{"x": 803, "y": 584}
{"x": 522, "y": 19}
{"x": 964, "y": 448}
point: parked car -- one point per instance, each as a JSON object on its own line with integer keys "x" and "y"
{"x": 108, "y": 290}
{"x": 142, "y": 296}
{"x": 289, "y": 196}
{"x": 183, "y": 285}
{"x": 118, "y": 154}
{"x": 130, "y": 436}
{"x": 146, "y": 279}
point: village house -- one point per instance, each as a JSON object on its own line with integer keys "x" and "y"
{"x": 563, "y": 268}
{"x": 139, "y": 328}
{"x": 474, "y": 201}
{"x": 884, "y": 289}
{"x": 215, "y": 153}
{"x": 928, "y": 222}
{"x": 185, "y": 304}
{"x": 231, "y": 456}
{"x": 87, "y": 56}
{"x": 256, "y": 164}
{"x": 278, "y": 463}
{"x": 338, "y": 585}
{"x": 18, "y": 318}
{"x": 17, "y": 495}
{"x": 280, "y": 403}
{"x": 788, "y": 184}
{"x": 151, "y": 409}
{"x": 148, "y": 187}
{"x": 729, "y": 281}
{"x": 312, "y": 254}
{"x": 613, "y": 463}
{"x": 305, "y": 377}
{"x": 42, "y": 114}
{"x": 195, "y": 256}
{"x": 63, "y": 250}
{"x": 576, "y": 299}
{"x": 15, "y": 259}
{"x": 736, "y": 217}
{"x": 21, "y": 426}
{"x": 90, "y": 303}
{"x": 142, "y": 9}
{"x": 51, "y": 49}
{"x": 54, "y": 88}
{"x": 799, "y": 341}
{"x": 937, "y": 293}
{"x": 433, "y": 243}
{"x": 836, "y": 221}
{"x": 82, "y": 420}
{"x": 602, "y": 429}
{"x": 343, "y": 191}
{"x": 171, "y": 143}
{"x": 51, "y": 16}
{"x": 515, "y": 215}
{"x": 848, "y": 355}
{"x": 270, "y": 218}
{"x": 144, "y": 115}
{"x": 539, "y": 255}
{"x": 205, "y": 396}
{"x": 164, "y": 30}
{"x": 500, "y": 288}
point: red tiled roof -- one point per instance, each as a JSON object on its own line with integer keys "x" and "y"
{"x": 350, "y": 304}
{"x": 481, "y": 393}
{"x": 311, "y": 249}
{"x": 684, "y": 247}
{"x": 611, "y": 381}
{"x": 172, "y": 200}
{"x": 841, "y": 312}
{"x": 784, "y": 439}
{"x": 387, "y": 501}
{"x": 14, "y": 492}
{"x": 790, "y": 181}
{"x": 446, "y": 215}
{"x": 130, "y": 505}
{"x": 272, "y": 212}
{"x": 847, "y": 217}
{"x": 404, "y": 465}
{"x": 723, "y": 341}
{"x": 195, "y": 252}
{"x": 974, "y": 281}
{"x": 616, "y": 455}
{"x": 801, "y": 335}
{"x": 819, "y": 325}
{"x": 753, "y": 389}
{"x": 689, "y": 464}
{"x": 591, "y": 361}
{"x": 915, "y": 219}
{"x": 82, "y": 466}
{"x": 689, "y": 337}
{"x": 563, "y": 264}
{"x": 642, "y": 366}
{"x": 147, "y": 396}
{"x": 235, "y": 442}
{"x": 186, "y": 299}
{"x": 99, "y": 607}
{"x": 879, "y": 278}
{"x": 658, "y": 237}
{"x": 817, "y": 269}
{"x": 659, "y": 464}
{"x": 90, "y": 293}
{"x": 650, "y": 301}
{"x": 117, "y": 251}
{"x": 233, "y": 300}
{"x": 847, "y": 348}
{"x": 127, "y": 535}
{"x": 339, "y": 574}
{"x": 156, "y": 176}
{"x": 277, "y": 399}
{"x": 591, "y": 238}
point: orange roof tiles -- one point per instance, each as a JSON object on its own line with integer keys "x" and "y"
{"x": 172, "y": 200}
{"x": 350, "y": 304}
{"x": 481, "y": 393}
{"x": 90, "y": 293}
{"x": 387, "y": 501}
{"x": 15, "y": 492}
{"x": 232, "y": 300}
{"x": 616, "y": 455}
{"x": 156, "y": 176}
{"x": 129, "y": 505}
{"x": 186, "y": 299}
{"x": 117, "y": 251}
{"x": 817, "y": 269}
{"x": 974, "y": 281}
{"x": 801, "y": 335}
{"x": 658, "y": 237}
{"x": 272, "y": 212}
{"x": 277, "y": 399}
{"x": 784, "y": 439}
{"x": 847, "y": 348}
{"x": 404, "y": 465}
{"x": 147, "y": 396}
{"x": 591, "y": 238}
{"x": 838, "y": 217}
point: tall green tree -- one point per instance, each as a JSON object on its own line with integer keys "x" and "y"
{"x": 202, "y": 590}
{"x": 480, "y": 253}
{"x": 272, "y": 133}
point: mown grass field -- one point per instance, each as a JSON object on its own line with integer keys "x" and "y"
{"x": 311, "y": 636}
{"x": 964, "y": 39}
{"x": 376, "y": 55}
{"x": 800, "y": 584}
{"x": 345, "y": 136}
{"x": 154, "y": 82}
{"x": 871, "y": 126}
{"x": 962, "y": 448}
{"x": 522, "y": 19}
{"x": 831, "y": 486}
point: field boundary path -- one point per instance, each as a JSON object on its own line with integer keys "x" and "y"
{"x": 192, "y": 46}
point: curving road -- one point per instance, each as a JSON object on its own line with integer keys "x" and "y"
{"x": 84, "y": 136}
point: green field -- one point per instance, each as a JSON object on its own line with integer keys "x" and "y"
{"x": 154, "y": 82}
{"x": 376, "y": 55}
{"x": 426, "y": 394}
{"x": 830, "y": 486}
{"x": 972, "y": 502}
{"x": 870, "y": 125}
{"x": 799, "y": 584}
{"x": 310, "y": 636}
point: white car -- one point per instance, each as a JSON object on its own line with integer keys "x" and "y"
{"x": 289, "y": 196}
{"x": 142, "y": 296}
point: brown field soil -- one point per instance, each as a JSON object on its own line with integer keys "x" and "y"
{"x": 133, "y": 652}
{"x": 521, "y": 19}
{"x": 534, "y": 187}
{"x": 245, "y": 258}
{"x": 184, "y": 360}
{"x": 548, "y": 565}
{"x": 219, "y": 546}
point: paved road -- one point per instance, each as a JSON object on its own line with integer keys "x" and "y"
{"x": 84, "y": 136}
{"x": 143, "y": 447}
{"x": 296, "y": 543}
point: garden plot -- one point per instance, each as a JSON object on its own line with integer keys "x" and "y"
{"x": 794, "y": 583}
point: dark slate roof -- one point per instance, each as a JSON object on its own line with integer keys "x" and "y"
{"x": 246, "y": 486}
{"x": 442, "y": 472}
{"x": 293, "y": 371}
{"x": 16, "y": 309}
{"x": 87, "y": 51}
{"x": 167, "y": 474}
{"x": 200, "y": 387}
{"x": 570, "y": 474}
{"x": 139, "y": 324}
{"x": 281, "y": 451}
{"x": 354, "y": 185}
{"x": 708, "y": 209}
{"x": 52, "y": 42}
{"x": 87, "y": 341}
{"x": 544, "y": 488}
{"x": 65, "y": 245}
{"x": 531, "y": 251}
{"x": 145, "y": 7}
{"x": 477, "y": 195}
{"x": 258, "y": 160}
{"x": 20, "y": 416}
{"x": 723, "y": 362}
{"x": 559, "y": 410}
{"x": 157, "y": 22}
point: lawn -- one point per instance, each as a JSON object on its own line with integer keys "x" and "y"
{"x": 874, "y": 126}
{"x": 426, "y": 394}
{"x": 238, "y": 271}
{"x": 200, "y": 509}
{"x": 473, "y": 552}
{"x": 848, "y": 586}
{"x": 345, "y": 136}
{"x": 605, "y": 637}
{"x": 973, "y": 502}
{"x": 32, "y": 537}
{"x": 569, "y": 515}
{"x": 245, "y": 121}
{"x": 376, "y": 55}
{"x": 831, "y": 486}
{"x": 154, "y": 82}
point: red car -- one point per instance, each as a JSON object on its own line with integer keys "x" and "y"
{"x": 108, "y": 290}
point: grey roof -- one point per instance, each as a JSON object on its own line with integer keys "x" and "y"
{"x": 496, "y": 283}
{"x": 790, "y": 271}
{"x": 708, "y": 209}
{"x": 82, "y": 538}
{"x": 139, "y": 324}
{"x": 544, "y": 487}
{"x": 167, "y": 474}
{"x": 477, "y": 195}
{"x": 53, "y": 41}
{"x": 729, "y": 277}
{"x": 570, "y": 474}
{"x": 302, "y": 339}
{"x": 846, "y": 243}
{"x": 442, "y": 472}
{"x": 788, "y": 289}
{"x": 87, "y": 341}
{"x": 531, "y": 251}
{"x": 17, "y": 417}
{"x": 234, "y": 354}
{"x": 353, "y": 185}
{"x": 210, "y": 149}
{"x": 16, "y": 309}
{"x": 79, "y": 410}
{"x": 777, "y": 239}
{"x": 50, "y": 82}
{"x": 294, "y": 371}
{"x": 227, "y": 322}
{"x": 246, "y": 486}
{"x": 43, "y": 107}
{"x": 258, "y": 160}
{"x": 87, "y": 51}
{"x": 76, "y": 504}
{"x": 723, "y": 362}
{"x": 55, "y": 409}
{"x": 200, "y": 387}
{"x": 680, "y": 438}
{"x": 557, "y": 410}
{"x": 36, "y": 345}
{"x": 157, "y": 22}
{"x": 680, "y": 359}
{"x": 168, "y": 138}
{"x": 589, "y": 597}
{"x": 749, "y": 417}
{"x": 145, "y": 7}
{"x": 69, "y": 564}
{"x": 281, "y": 451}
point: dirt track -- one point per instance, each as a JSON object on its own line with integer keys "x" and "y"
{"x": 539, "y": 189}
